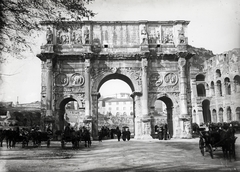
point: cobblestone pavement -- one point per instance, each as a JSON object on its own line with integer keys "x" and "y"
{"x": 111, "y": 155}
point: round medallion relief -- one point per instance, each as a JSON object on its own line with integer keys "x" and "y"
{"x": 61, "y": 79}
{"x": 171, "y": 78}
{"x": 77, "y": 79}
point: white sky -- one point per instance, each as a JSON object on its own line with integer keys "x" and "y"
{"x": 214, "y": 25}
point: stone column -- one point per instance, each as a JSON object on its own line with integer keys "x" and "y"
{"x": 184, "y": 117}
{"x": 87, "y": 88}
{"x": 94, "y": 107}
{"x": 137, "y": 114}
{"x": 145, "y": 116}
{"x": 49, "y": 87}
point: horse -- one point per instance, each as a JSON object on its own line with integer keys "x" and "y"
{"x": 39, "y": 136}
{"x": 224, "y": 137}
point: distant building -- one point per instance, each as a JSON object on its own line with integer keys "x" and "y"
{"x": 121, "y": 104}
{"x": 27, "y": 114}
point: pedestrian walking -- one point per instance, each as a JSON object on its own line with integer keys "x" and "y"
{"x": 118, "y": 133}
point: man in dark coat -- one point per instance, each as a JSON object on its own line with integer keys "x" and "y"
{"x": 118, "y": 133}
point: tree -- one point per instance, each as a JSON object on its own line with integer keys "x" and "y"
{"x": 19, "y": 21}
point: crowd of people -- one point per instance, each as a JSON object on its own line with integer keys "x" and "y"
{"x": 107, "y": 133}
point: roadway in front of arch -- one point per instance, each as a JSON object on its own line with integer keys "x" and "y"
{"x": 111, "y": 155}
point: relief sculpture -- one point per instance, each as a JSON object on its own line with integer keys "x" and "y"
{"x": 154, "y": 33}
{"x": 155, "y": 80}
{"x": 181, "y": 36}
{"x": 77, "y": 79}
{"x": 167, "y": 34}
{"x": 63, "y": 36}
{"x": 144, "y": 36}
{"x": 77, "y": 35}
{"x": 49, "y": 36}
{"x": 87, "y": 35}
{"x": 61, "y": 79}
{"x": 170, "y": 78}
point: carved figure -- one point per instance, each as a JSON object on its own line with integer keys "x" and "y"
{"x": 59, "y": 37}
{"x": 181, "y": 36}
{"x": 61, "y": 79}
{"x": 77, "y": 79}
{"x": 49, "y": 36}
{"x": 144, "y": 36}
{"x": 76, "y": 38}
{"x": 170, "y": 78}
{"x": 167, "y": 35}
{"x": 87, "y": 36}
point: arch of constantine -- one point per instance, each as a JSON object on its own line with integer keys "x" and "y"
{"x": 152, "y": 57}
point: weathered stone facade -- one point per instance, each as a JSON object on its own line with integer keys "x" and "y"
{"x": 216, "y": 88}
{"x": 152, "y": 57}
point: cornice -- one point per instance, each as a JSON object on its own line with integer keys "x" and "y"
{"x": 68, "y": 22}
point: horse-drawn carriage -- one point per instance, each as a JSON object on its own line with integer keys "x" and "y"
{"x": 214, "y": 137}
{"x": 72, "y": 137}
{"x": 38, "y": 137}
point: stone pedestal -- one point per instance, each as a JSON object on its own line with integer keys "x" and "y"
{"x": 146, "y": 125}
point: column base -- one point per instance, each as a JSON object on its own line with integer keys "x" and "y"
{"x": 146, "y": 137}
{"x": 185, "y": 136}
{"x": 48, "y": 112}
{"x": 143, "y": 137}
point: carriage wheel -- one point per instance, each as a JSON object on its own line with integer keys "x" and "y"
{"x": 48, "y": 143}
{"x": 210, "y": 150}
{"x": 201, "y": 146}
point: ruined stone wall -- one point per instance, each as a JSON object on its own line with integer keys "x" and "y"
{"x": 221, "y": 84}
{"x": 223, "y": 70}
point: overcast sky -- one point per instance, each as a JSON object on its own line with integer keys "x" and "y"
{"x": 214, "y": 25}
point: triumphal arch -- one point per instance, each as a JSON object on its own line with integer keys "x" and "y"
{"x": 150, "y": 56}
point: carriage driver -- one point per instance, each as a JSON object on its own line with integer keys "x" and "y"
{"x": 67, "y": 130}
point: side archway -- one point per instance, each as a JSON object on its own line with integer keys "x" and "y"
{"x": 62, "y": 115}
{"x": 169, "y": 109}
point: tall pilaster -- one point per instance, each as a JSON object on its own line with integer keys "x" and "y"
{"x": 94, "y": 116}
{"x": 144, "y": 87}
{"x": 185, "y": 120}
{"x": 145, "y": 116}
{"x": 183, "y": 88}
{"x": 49, "y": 87}
{"x": 137, "y": 114}
{"x": 87, "y": 88}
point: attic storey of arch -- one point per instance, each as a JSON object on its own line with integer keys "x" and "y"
{"x": 19, "y": 20}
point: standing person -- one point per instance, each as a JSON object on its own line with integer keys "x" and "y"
{"x": 118, "y": 133}
{"x": 67, "y": 130}
{"x": 100, "y": 136}
{"x": 128, "y": 134}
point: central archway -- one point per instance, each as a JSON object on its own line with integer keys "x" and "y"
{"x": 116, "y": 108}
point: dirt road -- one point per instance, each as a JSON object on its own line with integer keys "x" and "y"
{"x": 111, "y": 155}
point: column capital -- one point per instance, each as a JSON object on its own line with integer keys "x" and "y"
{"x": 144, "y": 55}
{"x": 87, "y": 56}
{"x": 45, "y": 56}
{"x": 181, "y": 62}
{"x": 185, "y": 54}
{"x": 96, "y": 94}
{"x": 136, "y": 94}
